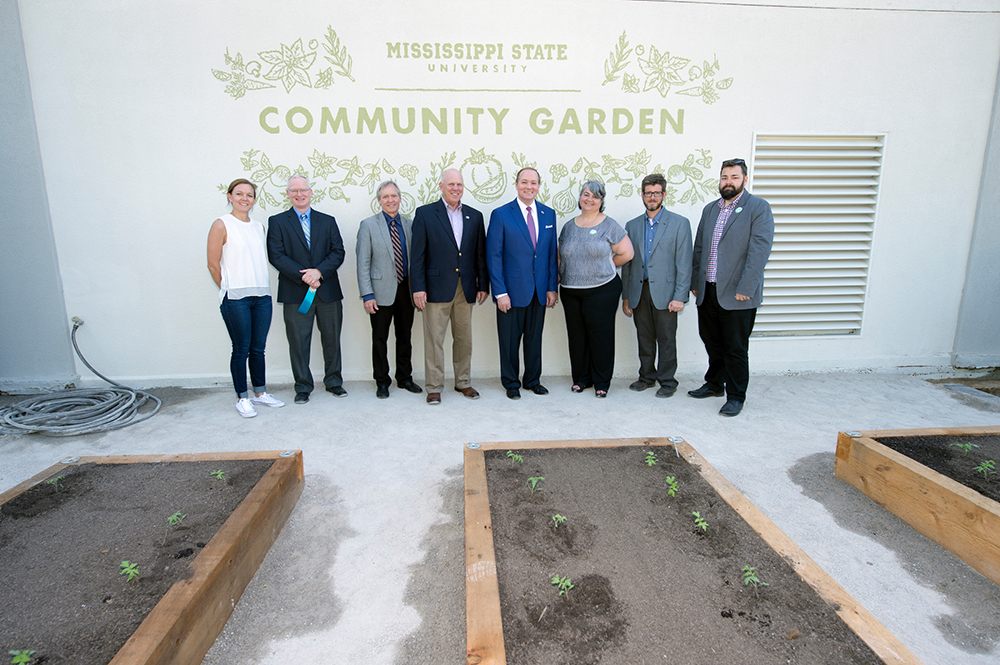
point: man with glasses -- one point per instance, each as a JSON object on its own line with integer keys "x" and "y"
{"x": 383, "y": 253}
{"x": 731, "y": 247}
{"x": 656, "y": 283}
{"x": 306, "y": 248}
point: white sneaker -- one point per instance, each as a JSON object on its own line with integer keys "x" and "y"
{"x": 267, "y": 400}
{"x": 245, "y": 408}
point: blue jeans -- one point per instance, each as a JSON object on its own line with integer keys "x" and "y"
{"x": 248, "y": 320}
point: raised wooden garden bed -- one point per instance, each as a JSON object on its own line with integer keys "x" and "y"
{"x": 958, "y": 518}
{"x": 655, "y": 608}
{"x": 187, "y": 619}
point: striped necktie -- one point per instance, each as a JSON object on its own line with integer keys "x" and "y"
{"x": 304, "y": 220}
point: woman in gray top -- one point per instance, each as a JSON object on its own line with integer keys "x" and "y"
{"x": 591, "y": 248}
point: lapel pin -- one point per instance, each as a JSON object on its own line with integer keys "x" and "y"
{"x": 739, "y": 210}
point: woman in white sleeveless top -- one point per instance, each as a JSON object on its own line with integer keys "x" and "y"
{"x": 237, "y": 259}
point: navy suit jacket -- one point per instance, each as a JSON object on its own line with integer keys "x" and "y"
{"x": 287, "y": 251}
{"x": 437, "y": 262}
{"x": 516, "y": 268}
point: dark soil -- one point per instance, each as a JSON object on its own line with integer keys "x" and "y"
{"x": 938, "y": 453}
{"x": 649, "y": 586}
{"x": 61, "y": 546}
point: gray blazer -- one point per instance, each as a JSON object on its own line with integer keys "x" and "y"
{"x": 376, "y": 264}
{"x": 743, "y": 251}
{"x": 669, "y": 261}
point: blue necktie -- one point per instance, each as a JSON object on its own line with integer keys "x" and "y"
{"x": 304, "y": 219}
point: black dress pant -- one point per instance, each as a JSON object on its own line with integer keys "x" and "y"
{"x": 512, "y": 325}
{"x": 726, "y": 334}
{"x": 400, "y": 315}
{"x": 590, "y": 327}
{"x": 656, "y": 330}
{"x": 329, "y": 318}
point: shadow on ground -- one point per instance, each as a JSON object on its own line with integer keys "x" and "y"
{"x": 292, "y": 593}
{"x": 930, "y": 565}
{"x": 437, "y": 585}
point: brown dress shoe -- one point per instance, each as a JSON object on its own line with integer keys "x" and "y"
{"x": 469, "y": 392}
{"x": 433, "y": 398}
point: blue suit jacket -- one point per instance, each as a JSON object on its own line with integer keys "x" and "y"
{"x": 287, "y": 251}
{"x": 437, "y": 262}
{"x": 516, "y": 268}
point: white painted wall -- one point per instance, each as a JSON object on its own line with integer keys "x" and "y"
{"x": 136, "y": 134}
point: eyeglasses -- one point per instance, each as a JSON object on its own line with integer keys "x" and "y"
{"x": 298, "y": 191}
{"x": 652, "y": 195}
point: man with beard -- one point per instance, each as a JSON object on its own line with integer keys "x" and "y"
{"x": 731, "y": 248}
{"x": 656, "y": 283}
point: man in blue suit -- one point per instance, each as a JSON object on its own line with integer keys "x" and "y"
{"x": 521, "y": 255}
{"x": 448, "y": 274}
{"x": 306, "y": 248}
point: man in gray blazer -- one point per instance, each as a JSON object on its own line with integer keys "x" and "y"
{"x": 383, "y": 251}
{"x": 655, "y": 285}
{"x": 731, "y": 248}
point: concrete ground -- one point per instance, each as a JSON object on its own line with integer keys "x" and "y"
{"x": 370, "y": 567}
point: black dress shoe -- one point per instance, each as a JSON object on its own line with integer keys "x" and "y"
{"x": 539, "y": 389}
{"x": 707, "y": 391}
{"x": 731, "y": 408}
{"x": 410, "y": 386}
{"x": 666, "y": 391}
{"x": 301, "y": 398}
{"x": 513, "y": 393}
{"x": 338, "y": 391}
{"x": 382, "y": 392}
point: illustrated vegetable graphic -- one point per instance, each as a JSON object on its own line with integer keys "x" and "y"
{"x": 487, "y": 180}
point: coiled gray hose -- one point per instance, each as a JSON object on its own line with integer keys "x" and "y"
{"x": 80, "y": 410}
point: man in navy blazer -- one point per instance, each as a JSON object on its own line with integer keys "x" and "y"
{"x": 731, "y": 248}
{"x": 521, "y": 255}
{"x": 306, "y": 248}
{"x": 655, "y": 285}
{"x": 448, "y": 274}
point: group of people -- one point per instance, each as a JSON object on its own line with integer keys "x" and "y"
{"x": 445, "y": 260}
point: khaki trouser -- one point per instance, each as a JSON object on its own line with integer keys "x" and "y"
{"x": 436, "y": 317}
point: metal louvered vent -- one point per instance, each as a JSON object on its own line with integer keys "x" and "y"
{"x": 823, "y": 191}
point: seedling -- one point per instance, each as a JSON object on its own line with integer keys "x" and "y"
{"x": 514, "y": 457}
{"x": 965, "y": 447}
{"x": 176, "y": 519}
{"x": 219, "y": 474}
{"x": 986, "y": 468}
{"x": 558, "y": 519}
{"x": 21, "y": 657}
{"x": 130, "y": 569}
{"x": 750, "y": 578}
{"x": 55, "y": 481}
{"x": 698, "y": 521}
{"x": 564, "y": 584}
{"x": 534, "y": 482}
{"x": 650, "y": 458}
{"x": 672, "y": 484}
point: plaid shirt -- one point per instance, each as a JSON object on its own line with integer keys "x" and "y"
{"x": 720, "y": 225}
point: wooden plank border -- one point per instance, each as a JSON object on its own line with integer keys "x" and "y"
{"x": 484, "y": 630}
{"x": 958, "y": 518}
{"x": 190, "y": 616}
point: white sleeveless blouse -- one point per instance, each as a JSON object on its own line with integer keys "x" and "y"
{"x": 244, "y": 260}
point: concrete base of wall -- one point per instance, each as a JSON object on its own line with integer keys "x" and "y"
{"x": 975, "y": 360}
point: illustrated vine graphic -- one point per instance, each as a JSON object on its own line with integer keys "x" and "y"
{"x": 486, "y": 178}
{"x": 289, "y": 64}
{"x": 663, "y": 72}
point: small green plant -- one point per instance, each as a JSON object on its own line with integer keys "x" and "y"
{"x": 56, "y": 482}
{"x": 986, "y": 468}
{"x": 130, "y": 569}
{"x": 672, "y": 484}
{"x": 564, "y": 584}
{"x": 534, "y": 482}
{"x": 558, "y": 519}
{"x": 650, "y": 458}
{"x": 22, "y": 657}
{"x": 219, "y": 474}
{"x": 698, "y": 521}
{"x": 176, "y": 519}
{"x": 965, "y": 447}
{"x": 750, "y": 578}
{"x": 514, "y": 457}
